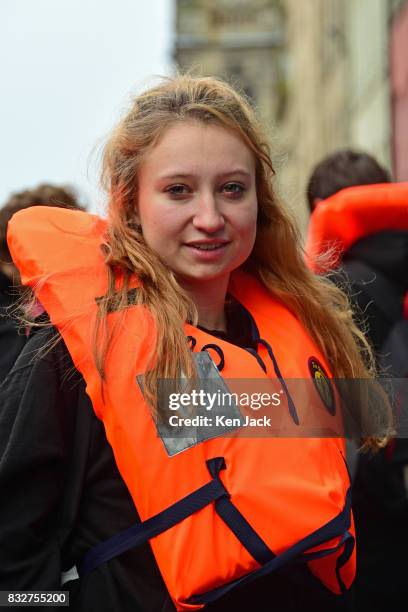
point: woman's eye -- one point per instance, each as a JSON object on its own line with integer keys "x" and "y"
{"x": 234, "y": 188}
{"x": 177, "y": 190}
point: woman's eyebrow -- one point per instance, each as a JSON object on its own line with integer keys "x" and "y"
{"x": 180, "y": 175}
{"x": 235, "y": 171}
{"x": 176, "y": 175}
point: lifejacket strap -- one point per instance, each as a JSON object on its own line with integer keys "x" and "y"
{"x": 291, "y": 405}
{"x": 219, "y": 351}
{"x": 344, "y": 557}
{"x": 257, "y": 338}
{"x": 140, "y": 533}
{"x": 238, "y": 524}
{"x": 214, "y": 491}
{"x": 338, "y": 526}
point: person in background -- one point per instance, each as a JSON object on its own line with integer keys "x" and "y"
{"x": 363, "y": 216}
{"x": 12, "y": 340}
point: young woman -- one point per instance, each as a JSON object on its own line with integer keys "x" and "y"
{"x": 198, "y": 268}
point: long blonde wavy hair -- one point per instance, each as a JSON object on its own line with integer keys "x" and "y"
{"x": 277, "y": 259}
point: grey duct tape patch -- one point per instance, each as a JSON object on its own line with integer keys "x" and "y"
{"x": 190, "y": 412}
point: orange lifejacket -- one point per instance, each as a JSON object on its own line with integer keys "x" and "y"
{"x": 352, "y": 213}
{"x": 240, "y": 506}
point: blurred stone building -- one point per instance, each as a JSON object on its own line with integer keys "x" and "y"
{"x": 240, "y": 40}
{"x": 324, "y": 74}
{"x": 399, "y": 89}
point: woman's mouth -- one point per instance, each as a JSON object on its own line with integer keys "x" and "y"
{"x": 208, "y": 247}
{"x": 207, "y": 250}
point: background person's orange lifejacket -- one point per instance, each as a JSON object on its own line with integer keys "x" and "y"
{"x": 227, "y": 509}
{"x": 351, "y": 214}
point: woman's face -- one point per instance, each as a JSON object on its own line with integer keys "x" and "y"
{"x": 197, "y": 201}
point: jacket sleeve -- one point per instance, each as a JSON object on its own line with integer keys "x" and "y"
{"x": 11, "y": 344}
{"x": 32, "y": 457}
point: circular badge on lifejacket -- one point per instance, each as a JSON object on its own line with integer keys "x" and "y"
{"x": 323, "y": 384}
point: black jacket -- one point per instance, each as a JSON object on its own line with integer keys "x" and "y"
{"x": 377, "y": 269}
{"x": 11, "y": 339}
{"x": 62, "y": 494}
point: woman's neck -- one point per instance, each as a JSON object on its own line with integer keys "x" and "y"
{"x": 209, "y": 300}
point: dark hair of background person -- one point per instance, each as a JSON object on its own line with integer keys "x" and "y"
{"x": 345, "y": 168}
{"x": 11, "y": 339}
{"x": 44, "y": 194}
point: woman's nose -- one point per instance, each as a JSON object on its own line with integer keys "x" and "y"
{"x": 208, "y": 216}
